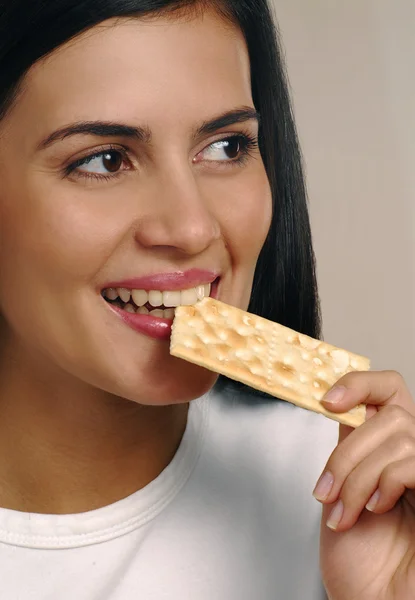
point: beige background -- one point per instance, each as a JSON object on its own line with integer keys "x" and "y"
{"x": 351, "y": 66}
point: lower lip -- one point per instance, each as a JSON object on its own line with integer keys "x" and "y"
{"x": 154, "y": 327}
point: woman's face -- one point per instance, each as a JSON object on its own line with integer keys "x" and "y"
{"x": 129, "y": 160}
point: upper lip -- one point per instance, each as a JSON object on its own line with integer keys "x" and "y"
{"x": 179, "y": 280}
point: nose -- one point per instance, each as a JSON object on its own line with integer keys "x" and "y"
{"x": 177, "y": 216}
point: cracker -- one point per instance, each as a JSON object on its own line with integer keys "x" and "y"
{"x": 264, "y": 355}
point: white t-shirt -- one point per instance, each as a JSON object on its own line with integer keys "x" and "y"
{"x": 231, "y": 518}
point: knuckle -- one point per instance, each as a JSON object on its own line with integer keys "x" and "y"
{"x": 396, "y": 415}
{"x": 397, "y": 380}
{"x": 404, "y": 443}
{"x": 390, "y": 476}
{"x": 396, "y": 377}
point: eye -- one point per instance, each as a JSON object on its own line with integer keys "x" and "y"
{"x": 232, "y": 149}
{"x": 109, "y": 161}
{"x": 105, "y": 164}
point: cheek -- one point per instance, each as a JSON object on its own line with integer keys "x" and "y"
{"x": 54, "y": 237}
{"x": 246, "y": 219}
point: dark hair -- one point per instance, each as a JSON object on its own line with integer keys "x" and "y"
{"x": 285, "y": 288}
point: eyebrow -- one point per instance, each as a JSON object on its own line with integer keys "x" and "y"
{"x": 143, "y": 134}
{"x": 240, "y": 115}
{"x": 97, "y": 128}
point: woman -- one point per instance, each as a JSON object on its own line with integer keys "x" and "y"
{"x": 147, "y": 153}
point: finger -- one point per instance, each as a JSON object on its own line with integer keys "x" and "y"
{"x": 393, "y": 422}
{"x": 396, "y": 479}
{"x": 376, "y": 472}
{"x": 377, "y": 388}
{"x": 345, "y": 430}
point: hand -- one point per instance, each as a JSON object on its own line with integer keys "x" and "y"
{"x": 367, "y": 550}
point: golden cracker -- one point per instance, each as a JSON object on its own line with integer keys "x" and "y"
{"x": 264, "y": 355}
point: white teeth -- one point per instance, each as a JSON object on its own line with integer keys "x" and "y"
{"x": 140, "y": 297}
{"x": 168, "y": 313}
{"x": 143, "y": 310}
{"x": 188, "y": 297}
{"x": 200, "y": 292}
{"x": 155, "y": 298}
{"x": 171, "y": 299}
{"x": 124, "y": 294}
{"x": 129, "y": 308}
{"x": 157, "y": 313}
{"x": 111, "y": 294}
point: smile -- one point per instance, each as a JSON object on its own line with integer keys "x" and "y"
{"x": 155, "y": 303}
{"x": 147, "y": 304}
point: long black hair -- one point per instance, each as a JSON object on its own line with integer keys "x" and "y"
{"x": 285, "y": 288}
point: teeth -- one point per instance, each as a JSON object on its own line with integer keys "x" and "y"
{"x": 143, "y": 310}
{"x": 157, "y": 313}
{"x": 168, "y": 313}
{"x": 111, "y": 294}
{"x": 202, "y": 291}
{"x": 188, "y": 297}
{"x": 155, "y": 298}
{"x": 124, "y": 294}
{"x": 171, "y": 299}
{"x": 129, "y": 308}
{"x": 140, "y": 297}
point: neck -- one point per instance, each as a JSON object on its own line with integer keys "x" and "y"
{"x": 71, "y": 448}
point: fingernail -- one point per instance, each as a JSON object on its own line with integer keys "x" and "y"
{"x": 335, "y": 516}
{"x": 371, "y": 505}
{"x": 335, "y": 395}
{"x": 324, "y": 486}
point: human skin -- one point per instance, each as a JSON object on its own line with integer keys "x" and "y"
{"x": 84, "y": 399}
{"x": 367, "y": 547}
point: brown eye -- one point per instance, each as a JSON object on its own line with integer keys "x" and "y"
{"x": 232, "y": 147}
{"x": 105, "y": 164}
{"x": 112, "y": 161}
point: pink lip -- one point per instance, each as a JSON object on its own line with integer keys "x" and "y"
{"x": 155, "y": 327}
{"x": 162, "y": 282}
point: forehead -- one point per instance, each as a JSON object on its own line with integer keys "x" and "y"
{"x": 142, "y": 68}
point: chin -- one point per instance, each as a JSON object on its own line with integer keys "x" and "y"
{"x": 178, "y": 385}
{"x": 178, "y": 388}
